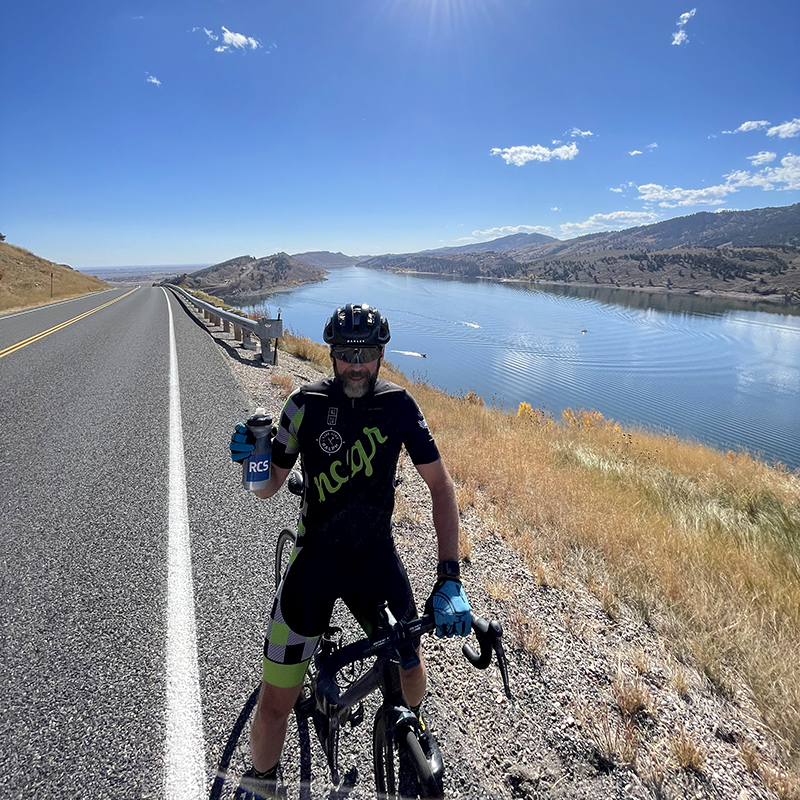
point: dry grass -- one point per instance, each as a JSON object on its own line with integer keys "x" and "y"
{"x": 632, "y": 697}
{"x": 785, "y": 785}
{"x": 616, "y": 740}
{"x": 303, "y": 348}
{"x": 688, "y": 752}
{"x": 704, "y": 545}
{"x": 284, "y": 383}
{"x": 527, "y": 634}
{"x": 25, "y": 280}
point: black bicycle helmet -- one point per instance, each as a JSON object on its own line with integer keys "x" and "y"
{"x": 357, "y": 325}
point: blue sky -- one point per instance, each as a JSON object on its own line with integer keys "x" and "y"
{"x": 143, "y": 132}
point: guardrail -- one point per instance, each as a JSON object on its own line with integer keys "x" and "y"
{"x": 243, "y": 328}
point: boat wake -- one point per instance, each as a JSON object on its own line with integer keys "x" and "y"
{"x": 409, "y": 353}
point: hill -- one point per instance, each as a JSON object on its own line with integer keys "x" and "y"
{"x": 246, "y": 276}
{"x": 505, "y": 244}
{"x": 323, "y": 259}
{"x": 761, "y": 227}
{"x": 25, "y": 279}
{"x": 734, "y": 252}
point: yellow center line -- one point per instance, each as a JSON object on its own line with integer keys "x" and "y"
{"x": 30, "y": 340}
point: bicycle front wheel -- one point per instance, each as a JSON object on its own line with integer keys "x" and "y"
{"x": 283, "y": 553}
{"x": 401, "y": 769}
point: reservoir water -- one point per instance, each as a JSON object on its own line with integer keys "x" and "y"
{"x": 721, "y": 372}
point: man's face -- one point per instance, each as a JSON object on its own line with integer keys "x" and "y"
{"x": 356, "y": 380}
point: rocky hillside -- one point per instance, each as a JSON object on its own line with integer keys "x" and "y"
{"x": 505, "y": 244}
{"x": 736, "y": 252}
{"x": 323, "y": 259}
{"x": 25, "y": 279}
{"x": 246, "y": 276}
{"x": 761, "y": 227}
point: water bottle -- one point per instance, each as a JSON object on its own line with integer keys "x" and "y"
{"x": 255, "y": 468}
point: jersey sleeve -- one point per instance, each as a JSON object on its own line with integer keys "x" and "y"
{"x": 286, "y": 445}
{"x": 417, "y": 436}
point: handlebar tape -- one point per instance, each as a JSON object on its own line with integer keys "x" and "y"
{"x": 487, "y": 634}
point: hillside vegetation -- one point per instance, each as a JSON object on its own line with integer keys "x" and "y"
{"x": 25, "y": 279}
{"x": 755, "y": 253}
{"x": 247, "y": 276}
{"x": 702, "y": 546}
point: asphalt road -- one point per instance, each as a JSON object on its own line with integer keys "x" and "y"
{"x": 87, "y": 513}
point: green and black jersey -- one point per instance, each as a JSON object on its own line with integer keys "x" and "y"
{"x": 349, "y": 450}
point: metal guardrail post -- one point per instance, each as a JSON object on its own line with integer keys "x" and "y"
{"x": 267, "y": 330}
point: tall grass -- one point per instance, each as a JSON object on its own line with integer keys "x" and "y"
{"x": 704, "y": 545}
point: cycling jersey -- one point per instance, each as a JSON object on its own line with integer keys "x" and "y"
{"x": 349, "y": 449}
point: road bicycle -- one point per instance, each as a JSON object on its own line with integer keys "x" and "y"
{"x": 407, "y": 763}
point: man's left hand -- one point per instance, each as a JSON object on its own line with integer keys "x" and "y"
{"x": 242, "y": 443}
{"x": 450, "y": 607}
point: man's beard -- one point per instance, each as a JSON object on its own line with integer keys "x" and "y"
{"x": 355, "y": 389}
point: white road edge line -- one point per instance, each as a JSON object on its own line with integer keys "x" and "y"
{"x": 184, "y": 761}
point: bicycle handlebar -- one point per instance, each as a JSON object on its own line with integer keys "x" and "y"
{"x": 400, "y": 635}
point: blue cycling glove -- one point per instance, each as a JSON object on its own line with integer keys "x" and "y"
{"x": 451, "y": 611}
{"x": 242, "y": 443}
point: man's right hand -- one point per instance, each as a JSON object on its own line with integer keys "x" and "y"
{"x": 242, "y": 443}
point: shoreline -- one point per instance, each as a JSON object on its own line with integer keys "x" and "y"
{"x": 775, "y": 298}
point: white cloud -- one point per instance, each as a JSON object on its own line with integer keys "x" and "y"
{"x": 764, "y": 157}
{"x": 238, "y": 40}
{"x": 507, "y": 230}
{"x": 521, "y": 154}
{"x": 679, "y": 37}
{"x": 152, "y": 79}
{"x": 613, "y": 221}
{"x": 555, "y": 208}
{"x": 787, "y": 130}
{"x": 785, "y": 177}
{"x": 230, "y": 40}
{"x": 788, "y": 173}
{"x": 617, "y": 190}
{"x": 652, "y": 146}
{"x": 634, "y": 152}
{"x": 752, "y": 125}
{"x": 573, "y": 132}
{"x": 672, "y": 198}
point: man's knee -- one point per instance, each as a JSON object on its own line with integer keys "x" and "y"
{"x": 276, "y": 703}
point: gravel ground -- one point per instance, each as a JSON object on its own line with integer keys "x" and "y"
{"x": 600, "y": 709}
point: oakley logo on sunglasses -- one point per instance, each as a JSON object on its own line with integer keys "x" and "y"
{"x": 356, "y": 355}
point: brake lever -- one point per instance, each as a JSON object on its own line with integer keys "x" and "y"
{"x": 489, "y": 635}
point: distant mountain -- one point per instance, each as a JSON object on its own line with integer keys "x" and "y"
{"x": 505, "y": 244}
{"x": 323, "y": 259}
{"x": 476, "y": 265}
{"x": 760, "y": 227}
{"x": 25, "y": 279}
{"x": 754, "y": 252}
{"x": 245, "y": 275}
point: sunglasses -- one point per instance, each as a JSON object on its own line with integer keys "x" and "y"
{"x": 356, "y": 355}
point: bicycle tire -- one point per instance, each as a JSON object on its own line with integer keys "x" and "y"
{"x": 235, "y": 754}
{"x": 283, "y": 553}
{"x": 401, "y": 769}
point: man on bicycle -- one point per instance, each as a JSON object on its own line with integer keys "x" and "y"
{"x": 348, "y": 431}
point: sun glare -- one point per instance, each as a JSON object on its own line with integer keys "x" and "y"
{"x": 442, "y": 17}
